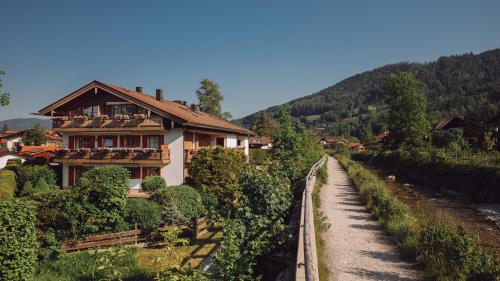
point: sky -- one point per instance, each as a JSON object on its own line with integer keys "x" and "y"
{"x": 261, "y": 53}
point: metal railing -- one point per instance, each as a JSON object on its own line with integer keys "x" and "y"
{"x": 307, "y": 259}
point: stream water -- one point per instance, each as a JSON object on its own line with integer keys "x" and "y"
{"x": 482, "y": 220}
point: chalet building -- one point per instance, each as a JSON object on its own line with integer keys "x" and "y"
{"x": 104, "y": 124}
{"x": 451, "y": 123}
{"x": 12, "y": 139}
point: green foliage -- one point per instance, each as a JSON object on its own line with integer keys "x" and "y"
{"x": 117, "y": 264}
{"x": 216, "y": 170}
{"x": 35, "y": 135}
{"x": 18, "y": 242}
{"x": 183, "y": 199}
{"x": 41, "y": 185}
{"x": 257, "y": 227}
{"x": 146, "y": 213}
{"x": 153, "y": 183}
{"x": 264, "y": 125}
{"x": 258, "y": 156}
{"x": 407, "y": 111}
{"x": 5, "y": 127}
{"x": 210, "y": 99}
{"x": 8, "y": 183}
{"x": 4, "y": 97}
{"x": 27, "y": 188}
{"x": 103, "y": 192}
{"x": 33, "y": 173}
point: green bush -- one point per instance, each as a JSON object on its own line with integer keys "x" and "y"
{"x": 153, "y": 183}
{"x": 18, "y": 241}
{"x": 8, "y": 183}
{"x": 27, "y": 188}
{"x": 41, "y": 185}
{"x": 258, "y": 156}
{"x": 182, "y": 199}
{"x": 15, "y": 161}
{"x": 102, "y": 192}
{"x": 14, "y": 165}
{"x": 146, "y": 213}
{"x": 216, "y": 170}
{"x": 34, "y": 172}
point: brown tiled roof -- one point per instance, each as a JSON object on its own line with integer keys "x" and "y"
{"x": 260, "y": 140}
{"x": 189, "y": 117}
{"x": 444, "y": 123}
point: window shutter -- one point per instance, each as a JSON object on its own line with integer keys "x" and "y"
{"x": 71, "y": 176}
{"x": 137, "y": 141}
{"x": 144, "y": 141}
{"x": 144, "y": 172}
{"x": 161, "y": 140}
{"x": 122, "y": 142}
{"x": 115, "y": 141}
{"x": 100, "y": 141}
{"x": 71, "y": 141}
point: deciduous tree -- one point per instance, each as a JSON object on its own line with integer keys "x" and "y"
{"x": 4, "y": 97}
{"x": 35, "y": 135}
{"x": 210, "y": 99}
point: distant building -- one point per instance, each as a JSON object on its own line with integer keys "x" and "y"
{"x": 382, "y": 136}
{"x": 260, "y": 142}
{"x": 356, "y": 146}
{"x": 451, "y": 123}
{"x": 6, "y": 155}
{"x": 12, "y": 139}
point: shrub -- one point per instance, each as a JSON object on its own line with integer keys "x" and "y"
{"x": 216, "y": 170}
{"x": 15, "y": 161}
{"x": 182, "y": 199}
{"x": 258, "y": 156}
{"x": 34, "y": 172}
{"x": 18, "y": 240}
{"x": 8, "y": 183}
{"x": 153, "y": 183}
{"x": 103, "y": 192}
{"x": 41, "y": 185}
{"x": 27, "y": 188}
{"x": 147, "y": 214}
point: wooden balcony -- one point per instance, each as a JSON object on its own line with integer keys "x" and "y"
{"x": 188, "y": 155}
{"x": 75, "y": 124}
{"x": 122, "y": 156}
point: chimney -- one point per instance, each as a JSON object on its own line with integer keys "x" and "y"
{"x": 193, "y": 107}
{"x": 138, "y": 89}
{"x": 159, "y": 94}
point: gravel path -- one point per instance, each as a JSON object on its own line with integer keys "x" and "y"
{"x": 357, "y": 248}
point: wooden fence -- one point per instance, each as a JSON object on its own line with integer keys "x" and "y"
{"x": 130, "y": 237}
{"x": 307, "y": 259}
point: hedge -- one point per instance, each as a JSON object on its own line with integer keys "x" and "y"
{"x": 18, "y": 241}
{"x": 182, "y": 199}
{"x": 146, "y": 213}
{"x": 34, "y": 172}
{"x": 153, "y": 183}
{"x": 8, "y": 184}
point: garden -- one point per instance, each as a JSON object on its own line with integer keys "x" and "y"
{"x": 247, "y": 209}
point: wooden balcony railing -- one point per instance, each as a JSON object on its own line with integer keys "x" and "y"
{"x": 78, "y": 123}
{"x": 107, "y": 156}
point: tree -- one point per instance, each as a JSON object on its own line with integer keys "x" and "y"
{"x": 408, "y": 124}
{"x": 4, "y": 97}
{"x": 210, "y": 99}
{"x": 264, "y": 126}
{"x": 35, "y": 135}
{"x": 5, "y": 127}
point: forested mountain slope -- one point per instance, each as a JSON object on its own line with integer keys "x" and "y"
{"x": 452, "y": 84}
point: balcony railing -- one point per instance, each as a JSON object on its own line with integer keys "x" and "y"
{"x": 105, "y": 122}
{"x": 110, "y": 156}
{"x": 188, "y": 154}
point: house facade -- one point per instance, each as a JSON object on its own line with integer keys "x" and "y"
{"x": 103, "y": 124}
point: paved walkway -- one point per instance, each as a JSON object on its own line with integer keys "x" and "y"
{"x": 357, "y": 248}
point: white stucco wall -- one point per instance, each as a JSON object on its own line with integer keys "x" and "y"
{"x": 245, "y": 143}
{"x": 10, "y": 142}
{"x": 231, "y": 140}
{"x": 174, "y": 172}
{"x": 5, "y": 158}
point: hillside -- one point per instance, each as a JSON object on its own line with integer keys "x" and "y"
{"x": 452, "y": 84}
{"x": 24, "y": 123}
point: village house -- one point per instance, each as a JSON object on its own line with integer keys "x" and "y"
{"x": 105, "y": 124}
{"x": 260, "y": 142}
{"x": 11, "y": 139}
{"x": 451, "y": 123}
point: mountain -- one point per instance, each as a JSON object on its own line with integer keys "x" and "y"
{"x": 24, "y": 123}
{"x": 453, "y": 85}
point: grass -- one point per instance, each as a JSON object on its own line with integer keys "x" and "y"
{"x": 320, "y": 224}
{"x": 191, "y": 255}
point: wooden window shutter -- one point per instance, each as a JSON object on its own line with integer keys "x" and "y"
{"x": 100, "y": 141}
{"x": 144, "y": 172}
{"x": 161, "y": 140}
{"x": 144, "y": 141}
{"x": 122, "y": 142}
{"x": 115, "y": 141}
{"x": 71, "y": 176}
{"x": 137, "y": 141}
{"x": 71, "y": 141}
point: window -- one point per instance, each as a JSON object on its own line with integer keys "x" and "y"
{"x": 150, "y": 171}
{"x": 108, "y": 142}
{"x": 219, "y": 141}
{"x": 90, "y": 111}
{"x": 135, "y": 172}
{"x": 238, "y": 143}
{"x": 131, "y": 141}
{"x": 85, "y": 141}
{"x": 154, "y": 142}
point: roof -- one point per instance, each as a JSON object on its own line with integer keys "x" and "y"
{"x": 53, "y": 135}
{"x": 448, "y": 123}
{"x": 182, "y": 113}
{"x": 10, "y": 133}
{"x": 382, "y": 135}
{"x": 45, "y": 151}
{"x": 259, "y": 140}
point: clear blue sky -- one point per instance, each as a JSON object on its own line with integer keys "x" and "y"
{"x": 262, "y": 53}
